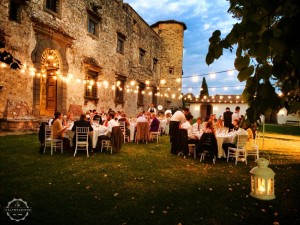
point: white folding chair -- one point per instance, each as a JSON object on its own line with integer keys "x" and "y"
{"x": 240, "y": 152}
{"x": 253, "y": 149}
{"x": 156, "y": 134}
{"x": 123, "y": 129}
{"x": 53, "y": 143}
{"x": 82, "y": 140}
{"x": 106, "y": 144}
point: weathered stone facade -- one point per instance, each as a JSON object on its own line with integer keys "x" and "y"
{"x": 95, "y": 45}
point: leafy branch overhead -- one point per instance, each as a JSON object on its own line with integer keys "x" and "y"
{"x": 267, "y": 47}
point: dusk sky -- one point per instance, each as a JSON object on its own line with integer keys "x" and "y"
{"x": 201, "y": 17}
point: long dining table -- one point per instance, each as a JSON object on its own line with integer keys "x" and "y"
{"x": 97, "y": 131}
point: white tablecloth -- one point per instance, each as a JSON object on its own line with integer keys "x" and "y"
{"x": 223, "y": 138}
{"x": 97, "y": 131}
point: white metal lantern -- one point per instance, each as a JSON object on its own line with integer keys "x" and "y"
{"x": 262, "y": 180}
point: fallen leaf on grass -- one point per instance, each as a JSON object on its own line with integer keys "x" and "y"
{"x": 116, "y": 194}
{"x": 87, "y": 187}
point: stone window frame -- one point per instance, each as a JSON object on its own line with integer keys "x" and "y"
{"x": 171, "y": 70}
{"x": 15, "y": 10}
{"x": 140, "y": 95}
{"x": 119, "y": 91}
{"x": 154, "y": 64}
{"x": 121, "y": 38}
{"x": 96, "y": 21}
{"x": 55, "y": 12}
{"x": 142, "y": 55}
{"x": 91, "y": 90}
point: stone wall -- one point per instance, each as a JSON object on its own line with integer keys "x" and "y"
{"x": 68, "y": 35}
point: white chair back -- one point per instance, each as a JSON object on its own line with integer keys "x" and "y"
{"x": 241, "y": 141}
{"x": 82, "y": 139}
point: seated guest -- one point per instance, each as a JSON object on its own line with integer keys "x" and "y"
{"x": 237, "y": 131}
{"x": 127, "y": 123}
{"x": 82, "y": 122}
{"x": 147, "y": 115}
{"x": 68, "y": 119}
{"x": 236, "y": 125}
{"x": 141, "y": 118}
{"x": 110, "y": 124}
{"x": 192, "y": 139}
{"x": 154, "y": 126}
{"x": 57, "y": 130}
{"x": 208, "y": 140}
{"x": 198, "y": 125}
{"x": 219, "y": 123}
{"x": 97, "y": 117}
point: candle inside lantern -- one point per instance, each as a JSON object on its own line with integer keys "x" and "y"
{"x": 262, "y": 181}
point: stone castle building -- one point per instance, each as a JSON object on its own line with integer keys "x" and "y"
{"x": 85, "y": 54}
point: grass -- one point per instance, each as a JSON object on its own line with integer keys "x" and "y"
{"x": 144, "y": 184}
{"x": 281, "y": 129}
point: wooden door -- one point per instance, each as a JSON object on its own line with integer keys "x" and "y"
{"x": 51, "y": 87}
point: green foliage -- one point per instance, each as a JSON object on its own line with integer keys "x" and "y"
{"x": 267, "y": 36}
{"x": 245, "y": 73}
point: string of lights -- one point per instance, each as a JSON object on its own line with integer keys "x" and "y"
{"x": 230, "y": 71}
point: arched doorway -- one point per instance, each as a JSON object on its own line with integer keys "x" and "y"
{"x": 50, "y": 70}
{"x": 49, "y": 58}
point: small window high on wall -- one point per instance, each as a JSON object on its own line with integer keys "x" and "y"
{"x": 15, "y": 11}
{"x": 53, "y": 7}
{"x": 92, "y": 24}
{"x": 142, "y": 56}
{"x": 120, "y": 43}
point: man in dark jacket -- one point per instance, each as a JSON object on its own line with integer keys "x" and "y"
{"x": 227, "y": 118}
{"x": 82, "y": 122}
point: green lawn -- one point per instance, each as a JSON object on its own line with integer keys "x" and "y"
{"x": 281, "y": 129}
{"x": 143, "y": 184}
